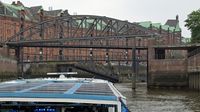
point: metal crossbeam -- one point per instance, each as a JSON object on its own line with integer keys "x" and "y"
{"x": 82, "y": 46}
{"x": 75, "y": 61}
{"x": 99, "y": 24}
{"x": 58, "y": 40}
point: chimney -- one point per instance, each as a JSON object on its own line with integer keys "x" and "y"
{"x": 50, "y": 8}
{"x": 19, "y": 3}
{"x": 66, "y": 12}
{"x": 177, "y": 18}
{"x": 13, "y": 3}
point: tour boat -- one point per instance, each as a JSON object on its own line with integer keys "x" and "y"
{"x": 61, "y": 95}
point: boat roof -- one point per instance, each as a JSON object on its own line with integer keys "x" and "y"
{"x": 76, "y": 90}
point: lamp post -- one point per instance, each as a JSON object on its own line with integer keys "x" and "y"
{"x": 41, "y": 52}
{"x": 107, "y": 58}
{"x": 126, "y": 57}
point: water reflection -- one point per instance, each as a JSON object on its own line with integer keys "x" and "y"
{"x": 160, "y": 100}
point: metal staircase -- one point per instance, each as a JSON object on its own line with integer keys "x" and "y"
{"x": 100, "y": 71}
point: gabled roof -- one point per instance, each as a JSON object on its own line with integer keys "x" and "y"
{"x": 2, "y": 10}
{"x": 145, "y": 24}
{"x": 165, "y": 27}
{"x": 172, "y": 22}
{"x": 35, "y": 9}
{"x": 13, "y": 11}
{"x": 53, "y": 13}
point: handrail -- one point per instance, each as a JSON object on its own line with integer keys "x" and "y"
{"x": 124, "y": 105}
{"x": 194, "y": 52}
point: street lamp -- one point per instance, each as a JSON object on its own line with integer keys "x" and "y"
{"x": 40, "y": 52}
{"x": 91, "y": 54}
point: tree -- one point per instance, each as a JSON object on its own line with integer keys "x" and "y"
{"x": 193, "y": 24}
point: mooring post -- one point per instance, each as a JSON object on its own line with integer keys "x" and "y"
{"x": 22, "y": 62}
{"x": 134, "y": 67}
{"x": 147, "y": 78}
{"x": 19, "y": 57}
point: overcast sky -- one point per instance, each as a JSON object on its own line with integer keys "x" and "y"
{"x": 157, "y": 11}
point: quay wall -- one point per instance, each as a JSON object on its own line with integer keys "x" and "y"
{"x": 8, "y": 65}
{"x": 167, "y": 73}
{"x": 194, "y": 72}
{"x": 8, "y": 68}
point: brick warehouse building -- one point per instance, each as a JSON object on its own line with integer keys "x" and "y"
{"x": 10, "y": 24}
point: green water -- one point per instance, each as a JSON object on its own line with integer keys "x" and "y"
{"x": 160, "y": 100}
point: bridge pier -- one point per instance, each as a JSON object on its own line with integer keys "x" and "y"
{"x": 19, "y": 57}
{"x": 134, "y": 67}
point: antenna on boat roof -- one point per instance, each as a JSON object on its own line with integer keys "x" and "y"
{"x": 62, "y": 74}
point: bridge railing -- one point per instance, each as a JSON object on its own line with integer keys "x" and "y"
{"x": 102, "y": 70}
{"x": 40, "y": 58}
{"x": 121, "y": 56}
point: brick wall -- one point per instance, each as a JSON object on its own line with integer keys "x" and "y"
{"x": 168, "y": 65}
{"x": 7, "y": 65}
{"x": 194, "y": 63}
{"x": 168, "y": 72}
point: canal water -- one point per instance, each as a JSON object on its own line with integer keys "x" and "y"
{"x": 159, "y": 100}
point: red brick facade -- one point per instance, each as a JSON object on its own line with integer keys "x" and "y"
{"x": 9, "y": 26}
{"x": 194, "y": 63}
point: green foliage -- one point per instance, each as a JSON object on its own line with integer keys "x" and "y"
{"x": 193, "y": 23}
